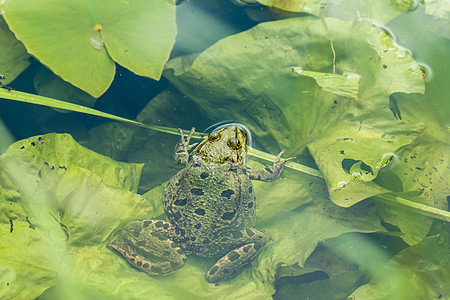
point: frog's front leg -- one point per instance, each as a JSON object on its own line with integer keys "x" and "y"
{"x": 180, "y": 153}
{"x": 148, "y": 246}
{"x": 271, "y": 173}
{"x": 236, "y": 259}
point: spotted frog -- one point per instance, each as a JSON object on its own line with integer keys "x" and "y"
{"x": 210, "y": 206}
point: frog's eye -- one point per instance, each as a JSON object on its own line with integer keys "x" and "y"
{"x": 234, "y": 143}
{"x": 214, "y": 136}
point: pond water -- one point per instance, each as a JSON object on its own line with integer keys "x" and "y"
{"x": 355, "y": 90}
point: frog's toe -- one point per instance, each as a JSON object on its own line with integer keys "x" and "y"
{"x": 233, "y": 262}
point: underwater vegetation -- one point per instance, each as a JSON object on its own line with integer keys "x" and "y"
{"x": 348, "y": 88}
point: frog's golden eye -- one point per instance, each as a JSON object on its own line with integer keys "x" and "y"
{"x": 234, "y": 143}
{"x": 214, "y": 136}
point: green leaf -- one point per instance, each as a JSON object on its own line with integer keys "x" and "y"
{"x": 308, "y": 6}
{"x": 14, "y": 57}
{"x": 371, "y": 10}
{"x": 418, "y": 272}
{"x": 56, "y": 194}
{"x": 80, "y": 40}
{"x": 49, "y": 85}
{"x": 287, "y": 105}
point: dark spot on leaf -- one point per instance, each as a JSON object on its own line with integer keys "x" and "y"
{"x": 204, "y": 175}
{"x": 11, "y": 226}
{"x": 227, "y": 193}
{"x": 33, "y": 144}
{"x": 52, "y": 168}
{"x": 23, "y": 147}
{"x": 180, "y": 202}
{"x": 342, "y": 152}
{"x": 46, "y": 163}
{"x": 200, "y": 211}
{"x": 197, "y": 192}
{"x": 384, "y": 67}
{"x": 233, "y": 256}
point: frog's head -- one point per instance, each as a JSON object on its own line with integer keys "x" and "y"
{"x": 224, "y": 146}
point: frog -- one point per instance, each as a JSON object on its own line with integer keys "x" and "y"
{"x": 210, "y": 207}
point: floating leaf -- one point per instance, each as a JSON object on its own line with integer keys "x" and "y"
{"x": 80, "y": 40}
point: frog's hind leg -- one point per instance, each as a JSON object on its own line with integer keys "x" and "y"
{"x": 236, "y": 259}
{"x": 147, "y": 246}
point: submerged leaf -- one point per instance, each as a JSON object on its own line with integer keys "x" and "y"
{"x": 14, "y": 57}
{"x": 418, "y": 272}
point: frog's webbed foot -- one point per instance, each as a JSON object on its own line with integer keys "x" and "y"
{"x": 233, "y": 262}
{"x": 181, "y": 151}
{"x": 271, "y": 173}
{"x": 147, "y": 246}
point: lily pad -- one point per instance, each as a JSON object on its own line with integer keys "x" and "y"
{"x": 284, "y": 102}
{"x": 81, "y": 40}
